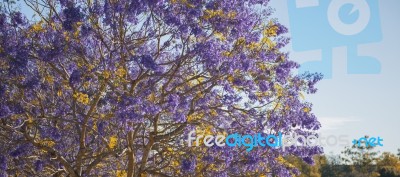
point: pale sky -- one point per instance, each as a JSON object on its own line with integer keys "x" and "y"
{"x": 358, "y": 104}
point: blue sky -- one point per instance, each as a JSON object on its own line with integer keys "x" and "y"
{"x": 357, "y": 104}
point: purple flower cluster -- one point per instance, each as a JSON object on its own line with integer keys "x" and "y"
{"x": 3, "y": 163}
{"x": 144, "y": 73}
{"x": 188, "y": 165}
{"x": 148, "y": 62}
{"x": 72, "y": 16}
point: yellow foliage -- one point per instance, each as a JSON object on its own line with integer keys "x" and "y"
{"x": 195, "y": 116}
{"x": 271, "y": 30}
{"x": 102, "y": 116}
{"x": 175, "y": 163}
{"x": 219, "y": 13}
{"x": 66, "y": 36}
{"x": 121, "y": 72}
{"x": 121, "y": 173}
{"x": 59, "y": 93}
{"x": 86, "y": 85}
{"x": 200, "y": 79}
{"x": 262, "y": 66}
{"x": 232, "y": 14}
{"x": 213, "y": 13}
{"x": 214, "y": 112}
{"x": 219, "y": 36}
{"x": 76, "y": 33}
{"x": 46, "y": 142}
{"x": 282, "y": 58}
{"x": 227, "y": 54}
{"x": 262, "y": 94}
{"x": 90, "y": 67}
{"x": 30, "y": 119}
{"x": 282, "y": 161}
{"x": 279, "y": 90}
{"x": 49, "y": 79}
{"x": 230, "y": 78}
{"x": 95, "y": 126}
{"x": 106, "y": 74}
{"x": 208, "y": 130}
{"x": 52, "y": 24}
{"x": 241, "y": 41}
{"x": 254, "y": 46}
{"x": 151, "y": 97}
{"x": 268, "y": 42}
{"x": 81, "y": 98}
{"x": 112, "y": 142}
{"x": 278, "y": 105}
{"x": 38, "y": 27}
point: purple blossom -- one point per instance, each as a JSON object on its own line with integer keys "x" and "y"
{"x": 20, "y": 150}
{"x": 72, "y": 16}
{"x": 152, "y": 2}
{"x": 96, "y": 8}
{"x": 16, "y": 108}
{"x": 173, "y": 102}
{"x": 101, "y": 127}
{"x": 55, "y": 134}
{"x": 76, "y": 77}
{"x": 281, "y": 29}
{"x": 65, "y": 2}
{"x": 183, "y": 29}
{"x": 32, "y": 83}
{"x": 3, "y": 174}
{"x": 172, "y": 20}
{"x": 129, "y": 115}
{"x": 188, "y": 165}
{"x": 179, "y": 117}
{"x": 237, "y": 81}
{"x": 3, "y": 20}
{"x": 3, "y": 163}
{"x": 264, "y": 86}
{"x": 308, "y": 160}
{"x": 17, "y": 18}
{"x": 4, "y": 111}
{"x": 38, "y": 166}
{"x": 208, "y": 158}
{"x": 196, "y": 30}
{"x": 20, "y": 61}
{"x": 85, "y": 30}
{"x": 148, "y": 62}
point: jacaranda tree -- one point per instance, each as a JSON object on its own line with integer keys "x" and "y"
{"x": 112, "y": 88}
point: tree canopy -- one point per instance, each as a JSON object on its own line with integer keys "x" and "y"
{"x": 112, "y": 88}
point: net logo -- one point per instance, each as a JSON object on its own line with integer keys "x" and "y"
{"x": 325, "y": 24}
{"x": 368, "y": 141}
